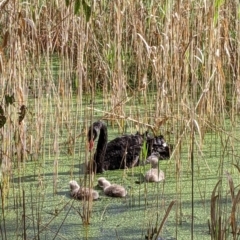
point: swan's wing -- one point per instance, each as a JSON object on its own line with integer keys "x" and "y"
{"x": 158, "y": 144}
{"x": 123, "y": 151}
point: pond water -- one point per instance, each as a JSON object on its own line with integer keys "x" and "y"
{"x": 38, "y": 204}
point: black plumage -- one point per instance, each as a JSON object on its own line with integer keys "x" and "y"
{"x": 124, "y": 151}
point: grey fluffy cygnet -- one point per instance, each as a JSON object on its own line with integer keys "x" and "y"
{"x": 112, "y": 190}
{"x": 82, "y": 193}
{"x": 154, "y": 174}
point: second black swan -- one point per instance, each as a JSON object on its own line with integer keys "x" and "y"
{"x": 123, "y": 151}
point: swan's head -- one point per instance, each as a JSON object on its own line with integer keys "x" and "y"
{"x": 153, "y": 159}
{"x": 93, "y": 133}
{"x": 154, "y": 155}
{"x": 73, "y": 185}
{"x": 103, "y": 182}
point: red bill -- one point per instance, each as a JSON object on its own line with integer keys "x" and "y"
{"x": 91, "y": 145}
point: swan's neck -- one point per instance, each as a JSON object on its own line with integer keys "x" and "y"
{"x": 101, "y": 149}
{"x": 154, "y": 162}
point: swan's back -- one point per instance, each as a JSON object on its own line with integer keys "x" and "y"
{"x": 115, "y": 191}
{"x": 154, "y": 175}
{"x": 158, "y": 145}
{"x": 123, "y": 152}
{"x": 82, "y": 193}
{"x": 112, "y": 190}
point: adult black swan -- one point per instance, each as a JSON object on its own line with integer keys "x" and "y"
{"x": 123, "y": 151}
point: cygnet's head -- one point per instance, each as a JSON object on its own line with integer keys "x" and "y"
{"x": 153, "y": 159}
{"x": 103, "y": 182}
{"x": 73, "y": 185}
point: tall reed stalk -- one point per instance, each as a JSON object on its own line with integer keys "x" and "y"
{"x": 136, "y": 64}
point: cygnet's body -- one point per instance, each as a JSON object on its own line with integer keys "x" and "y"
{"x": 154, "y": 174}
{"x": 82, "y": 193}
{"x": 112, "y": 190}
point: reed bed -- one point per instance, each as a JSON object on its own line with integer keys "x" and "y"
{"x": 170, "y": 67}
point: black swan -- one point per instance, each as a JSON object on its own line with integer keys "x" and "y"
{"x": 122, "y": 151}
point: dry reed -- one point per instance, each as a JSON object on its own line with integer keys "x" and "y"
{"x": 161, "y": 65}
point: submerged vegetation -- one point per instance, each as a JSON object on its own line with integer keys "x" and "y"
{"x": 169, "y": 67}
